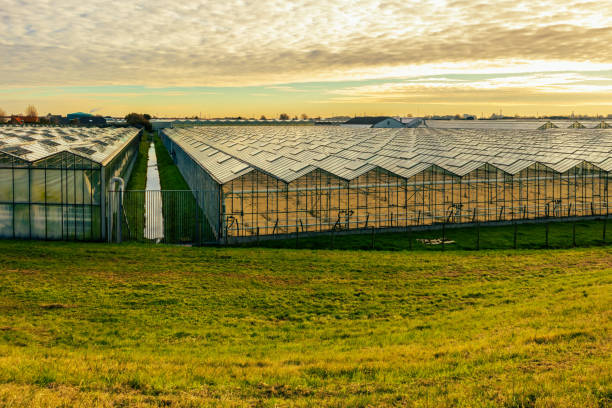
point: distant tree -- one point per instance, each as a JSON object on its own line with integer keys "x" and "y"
{"x": 74, "y": 122}
{"x": 44, "y": 121}
{"x": 283, "y": 116}
{"x": 31, "y": 112}
{"x": 138, "y": 120}
{"x": 2, "y": 115}
{"x": 262, "y": 117}
{"x": 146, "y": 116}
{"x": 304, "y": 116}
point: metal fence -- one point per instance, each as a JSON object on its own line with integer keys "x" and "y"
{"x": 171, "y": 217}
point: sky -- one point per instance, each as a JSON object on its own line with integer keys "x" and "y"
{"x": 319, "y": 57}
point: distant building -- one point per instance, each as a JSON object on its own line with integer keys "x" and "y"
{"x": 78, "y": 115}
{"x": 86, "y": 119}
{"x": 373, "y": 122}
{"x": 161, "y": 124}
{"x": 411, "y": 122}
{"x": 92, "y": 121}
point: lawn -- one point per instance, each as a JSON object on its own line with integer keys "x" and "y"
{"x": 169, "y": 175}
{"x": 138, "y": 178}
{"x": 137, "y": 325}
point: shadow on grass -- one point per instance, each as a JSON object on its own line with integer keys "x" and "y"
{"x": 528, "y": 236}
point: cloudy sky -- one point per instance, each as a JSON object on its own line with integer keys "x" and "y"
{"x": 320, "y": 57}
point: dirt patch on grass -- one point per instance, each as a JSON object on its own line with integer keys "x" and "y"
{"x": 53, "y": 306}
{"x": 581, "y": 336}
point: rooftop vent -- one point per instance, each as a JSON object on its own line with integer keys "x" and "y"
{"x": 85, "y": 150}
{"x": 49, "y": 143}
{"x": 16, "y": 150}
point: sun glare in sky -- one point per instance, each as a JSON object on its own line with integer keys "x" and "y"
{"x": 339, "y": 57}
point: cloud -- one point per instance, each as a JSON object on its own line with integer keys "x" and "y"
{"x": 536, "y": 88}
{"x": 265, "y": 42}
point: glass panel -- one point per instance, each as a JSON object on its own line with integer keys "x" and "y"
{"x": 54, "y": 222}
{"x": 69, "y": 219}
{"x": 78, "y": 222}
{"x": 69, "y": 186}
{"x": 6, "y": 221}
{"x": 86, "y": 223}
{"x": 37, "y": 186}
{"x": 22, "y": 184}
{"x": 78, "y": 187}
{"x": 6, "y": 185}
{"x": 37, "y": 220}
{"x": 95, "y": 224}
{"x": 54, "y": 186}
{"x": 96, "y": 186}
{"x": 22, "y": 221}
{"x": 87, "y": 186}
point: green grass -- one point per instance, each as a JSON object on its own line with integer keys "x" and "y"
{"x": 529, "y": 236}
{"x": 135, "y": 325}
{"x": 134, "y": 202}
{"x": 169, "y": 175}
{"x": 138, "y": 178}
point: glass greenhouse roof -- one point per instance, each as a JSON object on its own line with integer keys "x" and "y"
{"x": 35, "y": 143}
{"x": 291, "y": 152}
{"x": 506, "y": 124}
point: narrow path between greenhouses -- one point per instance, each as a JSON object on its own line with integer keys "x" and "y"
{"x": 154, "y": 220}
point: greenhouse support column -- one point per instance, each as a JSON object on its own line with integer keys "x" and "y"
{"x": 221, "y": 214}
{"x": 103, "y": 192}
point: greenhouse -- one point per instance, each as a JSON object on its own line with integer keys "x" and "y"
{"x": 253, "y": 181}
{"x": 53, "y": 181}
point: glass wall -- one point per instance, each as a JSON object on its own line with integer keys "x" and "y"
{"x": 258, "y": 204}
{"x": 55, "y": 198}
{"x": 59, "y": 197}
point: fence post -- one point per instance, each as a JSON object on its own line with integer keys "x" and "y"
{"x": 297, "y": 237}
{"x": 119, "y": 212}
{"x": 198, "y": 225}
{"x": 605, "y": 222}
{"x": 119, "y": 204}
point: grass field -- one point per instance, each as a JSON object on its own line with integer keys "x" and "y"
{"x": 138, "y": 178}
{"x": 169, "y": 175}
{"x": 135, "y": 325}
